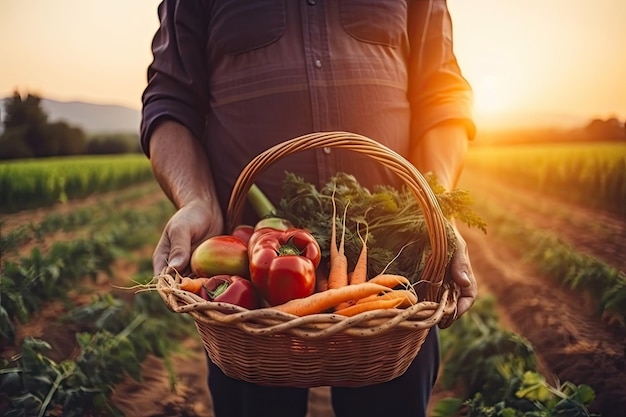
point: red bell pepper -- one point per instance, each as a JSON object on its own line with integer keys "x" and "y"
{"x": 283, "y": 263}
{"x": 268, "y": 224}
{"x": 243, "y": 232}
{"x": 231, "y": 289}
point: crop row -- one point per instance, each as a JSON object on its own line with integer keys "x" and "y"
{"x": 589, "y": 174}
{"x": 496, "y": 373}
{"x": 563, "y": 263}
{"x": 44, "y": 182}
{"x": 113, "y": 336}
{"x": 28, "y": 281}
{"x": 85, "y": 218}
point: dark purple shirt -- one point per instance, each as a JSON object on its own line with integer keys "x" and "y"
{"x": 244, "y": 75}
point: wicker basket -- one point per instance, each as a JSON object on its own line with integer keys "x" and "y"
{"x": 271, "y": 348}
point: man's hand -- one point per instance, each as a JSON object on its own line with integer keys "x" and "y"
{"x": 463, "y": 276}
{"x": 185, "y": 230}
{"x": 182, "y": 169}
{"x": 442, "y": 151}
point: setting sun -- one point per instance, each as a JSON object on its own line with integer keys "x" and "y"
{"x": 491, "y": 94}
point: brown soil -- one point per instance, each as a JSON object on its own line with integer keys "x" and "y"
{"x": 572, "y": 344}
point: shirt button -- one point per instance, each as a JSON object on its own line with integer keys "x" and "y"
{"x": 311, "y": 2}
{"x": 326, "y": 150}
{"x": 318, "y": 63}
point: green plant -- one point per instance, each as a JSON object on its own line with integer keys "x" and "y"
{"x": 114, "y": 340}
{"x": 496, "y": 371}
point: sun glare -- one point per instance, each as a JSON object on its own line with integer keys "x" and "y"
{"x": 491, "y": 94}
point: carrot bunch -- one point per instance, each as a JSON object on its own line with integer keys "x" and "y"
{"x": 352, "y": 299}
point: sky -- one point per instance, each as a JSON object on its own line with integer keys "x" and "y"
{"x": 561, "y": 60}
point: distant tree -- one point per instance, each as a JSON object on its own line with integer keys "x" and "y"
{"x": 65, "y": 140}
{"x": 605, "y": 130}
{"x": 25, "y": 121}
{"x": 21, "y": 112}
{"x": 112, "y": 143}
{"x": 27, "y": 132}
{"x": 13, "y": 146}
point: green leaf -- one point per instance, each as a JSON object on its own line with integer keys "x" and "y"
{"x": 534, "y": 387}
{"x": 568, "y": 407}
{"x": 447, "y": 407}
{"x": 7, "y": 330}
{"x": 584, "y": 394}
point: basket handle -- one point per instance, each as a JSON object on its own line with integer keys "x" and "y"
{"x": 435, "y": 221}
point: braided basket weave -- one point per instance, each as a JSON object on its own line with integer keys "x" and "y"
{"x": 271, "y": 348}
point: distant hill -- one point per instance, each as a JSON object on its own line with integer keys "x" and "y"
{"x": 93, "y": 118}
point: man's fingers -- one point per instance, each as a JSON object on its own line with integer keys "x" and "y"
{"x": 463, "y": 305}
{"x": 469, "y": 292}
{"x": 161, "y": 254}
{"x": 171, "y": 254}
{"x": 463, "y": 280}
{"x": 159, "y": 262}
{"x": 179, "y": 253}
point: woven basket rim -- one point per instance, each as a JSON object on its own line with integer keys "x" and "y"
{"x": 268, "y": 321}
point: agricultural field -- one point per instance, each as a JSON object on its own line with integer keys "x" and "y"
{"x": 591, "y": 175}
{"x": 42, "y": 182}
{"x": 551, "y": 309}
{"x": 556, "y": 261}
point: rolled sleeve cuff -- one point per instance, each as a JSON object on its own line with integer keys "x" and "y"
{"x": 164, "y": 108}
{"x": 443, "y": 114}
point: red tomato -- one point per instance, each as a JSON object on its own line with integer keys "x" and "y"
{"x": 220, "y": 255}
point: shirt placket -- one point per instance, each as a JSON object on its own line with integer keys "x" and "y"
{"x": 322, "y": 91}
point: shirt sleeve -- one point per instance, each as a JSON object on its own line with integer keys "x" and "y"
{"x": 438, "y": 92}
{"x": 177, "y": 87}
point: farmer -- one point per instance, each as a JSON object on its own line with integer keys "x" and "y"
{"x": 230, "y": 78}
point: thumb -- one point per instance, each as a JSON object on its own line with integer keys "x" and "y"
{"x": 179, "y": 256}
{"x": 170, "y": 255}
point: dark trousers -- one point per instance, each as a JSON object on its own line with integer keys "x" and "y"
{"x": 407, "y": 395}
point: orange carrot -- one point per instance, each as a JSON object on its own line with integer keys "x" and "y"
{"x": 322, "y": 301}
{"x": 359, "y": 274}
{"x": 369, "y": 306}
{"x": 407, "y": 297}
{"x": 338, "y": 273}
{"x": 391, "y": 280}
{"x": 193, "y": 285}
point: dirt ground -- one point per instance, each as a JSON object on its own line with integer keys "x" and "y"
{"x": 572, "y": 344}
